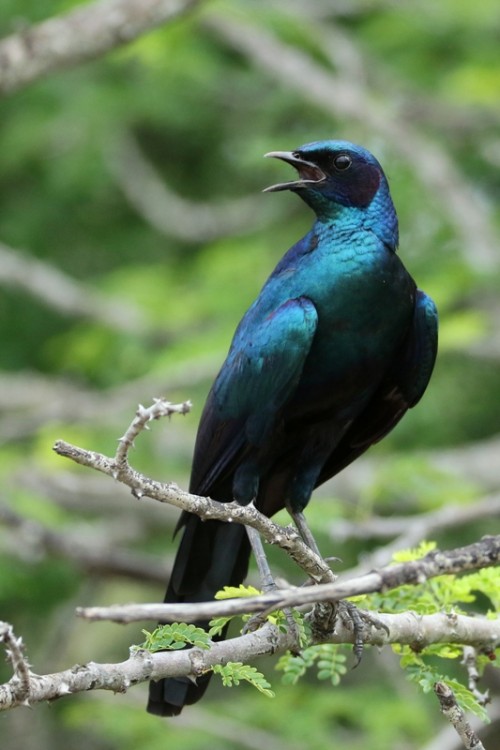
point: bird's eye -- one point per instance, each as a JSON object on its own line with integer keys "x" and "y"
{"x": 342, "y": 162}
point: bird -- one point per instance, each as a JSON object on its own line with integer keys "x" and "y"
{"x": 337, "y": 346}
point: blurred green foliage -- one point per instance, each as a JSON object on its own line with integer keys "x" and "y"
{"x": 202, "y": 113}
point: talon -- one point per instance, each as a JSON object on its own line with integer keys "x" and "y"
{"x": 357, "y": 627}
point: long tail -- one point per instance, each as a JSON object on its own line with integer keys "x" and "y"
{"x": 211, "y": 555}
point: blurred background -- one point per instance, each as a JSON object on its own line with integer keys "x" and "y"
{"x": 133, "y": 236}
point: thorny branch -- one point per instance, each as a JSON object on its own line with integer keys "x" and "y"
{"x": 482, "y": 554}
{"x": 20, "y": 683}
{"x": 118, "y": 467}
{"x": 142, "y": 665}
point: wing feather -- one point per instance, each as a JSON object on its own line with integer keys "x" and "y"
{"x": 260, "y": 374}
{"x": 401, "y": 388}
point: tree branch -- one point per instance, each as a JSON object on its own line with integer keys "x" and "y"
{"x": 469, "y": 661}
{"x": 33, "y": 540}
{"x": 482, "y": 554}
{"x": 456, "y": 717}
{"x": 413, "y": 529}
{"x": 167, "y": 211}
{"x": 406, "y": 628}
{"x": 20, "y": 683}
{"x": 141, "y": 666}
{"x": 80, "y": 35}
{"x": 64, "y": 294}
{"x": 118, "y": 467}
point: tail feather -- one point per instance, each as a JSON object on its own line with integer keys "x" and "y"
{"x": 211, "y": 555}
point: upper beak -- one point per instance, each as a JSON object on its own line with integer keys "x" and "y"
{"x": 309, "y": 173}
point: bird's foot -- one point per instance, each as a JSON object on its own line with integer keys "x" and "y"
{"x": 359, "y": 620}
{"x": 254, "y": 622}
{"x": 322, "y": 619}
{"x": 324, "y": 616}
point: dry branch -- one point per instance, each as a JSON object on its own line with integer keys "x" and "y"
{"x": 32, "y": 540}
{"x": 80, "y": 35}
{"x": 64, "y": 294}
{"x": 482, "y": 554}
{"x": 141, "y": 666}
{"x": 481, "y": 633}
{"x": 456, "y": 717}
{"x": 406, "y": 628}
{"x": 172, "y": 214}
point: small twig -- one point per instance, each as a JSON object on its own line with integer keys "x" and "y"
{"x": 456, "y": 717}
{"x": 143, "y": 416}
{"x": 470, "y": 662}
{"x": 20, "y": 682}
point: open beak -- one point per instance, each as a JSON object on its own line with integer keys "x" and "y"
{"x": 309, "y": 173}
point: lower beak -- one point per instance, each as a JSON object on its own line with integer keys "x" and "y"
{"x": 309, "y": 173}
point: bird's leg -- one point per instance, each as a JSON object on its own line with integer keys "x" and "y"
{"x": 325, "y": 614}
{"x": 266, "y": 577}
{"x": 300, "y": 522}
{"x": 267, "y": 583}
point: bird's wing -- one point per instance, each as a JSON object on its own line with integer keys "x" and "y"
{"x": 261, "y": 372}
{"x": 401, "y": 388}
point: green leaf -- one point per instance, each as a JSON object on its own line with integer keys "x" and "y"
{"x": 234, "y": 672}
{"x": 217, "y": 625}
{"x": 414, "y": 553}
{"x": 330, "y": 661}
{"x": 426, "y": 675}
{"x": 176, "y": 636}
{"x": 237, "y": 592}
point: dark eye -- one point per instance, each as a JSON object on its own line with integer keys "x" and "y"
{"x": 342, "y": 162}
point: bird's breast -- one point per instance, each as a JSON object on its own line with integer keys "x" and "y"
{"x": 364, "y": 305}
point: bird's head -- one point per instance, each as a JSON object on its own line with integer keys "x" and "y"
{"x": 333, "y": 174}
